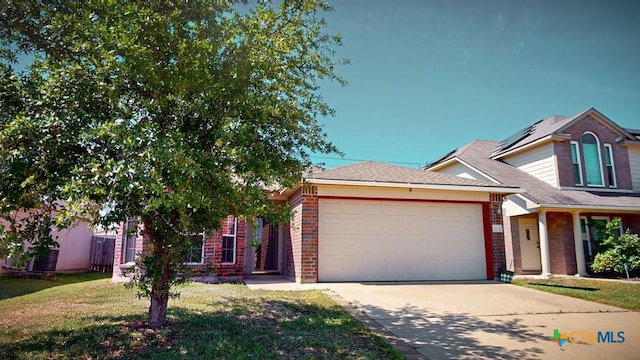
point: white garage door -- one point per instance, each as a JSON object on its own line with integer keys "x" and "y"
{"x": 362, "y": 240}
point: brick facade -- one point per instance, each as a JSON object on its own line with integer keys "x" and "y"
{"x": 605, "y": 135}
{"x": 293, "y": 239}
{"x": 118, "y": 254}
{"x": 301, "y": 239}
{"x": 212, "y": 257}
{"x": 497, "y": 238}
{"x": 562, "y": 253}
{"x": 562, "y": 250}
{"x": 630, "y": 222}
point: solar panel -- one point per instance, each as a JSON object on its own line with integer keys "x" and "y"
{"x": 434, "y": 162}
{"x": 515, "y": 138}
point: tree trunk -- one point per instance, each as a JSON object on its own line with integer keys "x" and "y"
{"x": 158, "y": 307}
{"x": 159, "y": 296}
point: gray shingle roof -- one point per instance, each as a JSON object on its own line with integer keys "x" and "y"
{"x": 373, "y": 171}
{"x": 478, "y": 153}
{"x": 552, "y": 125}
{"x": 537, "y": 131}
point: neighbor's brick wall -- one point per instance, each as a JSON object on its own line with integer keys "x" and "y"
{"x": 562, "y": 251}
{"x": 562, "y": 150}
{"x": 631, "y": 222}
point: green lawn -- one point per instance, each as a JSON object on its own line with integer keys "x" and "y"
{"x": 622, "y": 294}
{"x": 87, "y": 317}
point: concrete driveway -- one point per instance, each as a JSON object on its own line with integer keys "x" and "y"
{"x": 489, "y": 320}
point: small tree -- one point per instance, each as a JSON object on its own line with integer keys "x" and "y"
{"x": 174, "y": 113}
{"x": 616, "y": 251}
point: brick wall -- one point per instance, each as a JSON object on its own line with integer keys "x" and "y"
{"x": 605, "y": 135}
{"x": 118, "y": 265}
{"x": 117, "y": 256}
{"x": 212, "y": 251}
{"x": 294, "y": 239}
{"x": 497, "y": 238}
{"x": 301, "y": 237}
{"x": 562, "y": 251}
{"x": 631, "y": 222}
{"x": 287, "y": 265}
{"x": 309, "y": 246}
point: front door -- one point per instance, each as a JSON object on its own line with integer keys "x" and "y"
{"x": 529, "y": 244}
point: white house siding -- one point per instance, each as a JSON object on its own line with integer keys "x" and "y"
{"x": 458, "y": 169}
{"x": 75, "y": 247}
{"x": 634, "y": 165}
{"x": 538, "y": 161}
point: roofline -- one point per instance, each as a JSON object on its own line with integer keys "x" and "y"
{"x": 590, "y": 207}
{"x": 437, "y": 165}
{"x": 627, "y": 142}
{"x": 537, "y": 142}
{"x": 476, "y": 188}
{"x": 455, "y": 158}
{"x": 599, "y": 116}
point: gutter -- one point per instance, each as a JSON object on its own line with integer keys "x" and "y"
{"x": 590, "y": 207}
{"x": 476, "y": 188}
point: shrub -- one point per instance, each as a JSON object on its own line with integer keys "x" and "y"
{"x": 618, "y": 251}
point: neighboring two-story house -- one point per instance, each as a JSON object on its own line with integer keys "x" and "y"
{"x": 578, "y": 172}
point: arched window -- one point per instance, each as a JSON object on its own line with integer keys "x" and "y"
{"x": 592, "y": 159}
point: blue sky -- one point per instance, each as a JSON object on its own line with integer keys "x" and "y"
{"x": 429, "y": 76}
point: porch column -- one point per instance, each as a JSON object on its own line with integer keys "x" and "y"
{"x": 577, "y": 237}
{"x": 544, "y": 244}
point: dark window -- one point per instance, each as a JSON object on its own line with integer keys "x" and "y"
{"x": 611, "y": 170}
{"x": 577, "y": 167}
{"x": 229, "y": 241}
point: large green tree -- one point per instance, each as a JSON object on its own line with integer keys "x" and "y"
{"x": 176, "y": 113}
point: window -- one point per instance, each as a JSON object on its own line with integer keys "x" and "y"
{"x": 593, "y": 232}
{"x": 577, "y": 166}
{"x": 592, "y": 160}
{"x": 611, "y": 170}
{"x": 195, "y": 253}
{"x": 229, "y": 241}
{"x": 129, "y": 241}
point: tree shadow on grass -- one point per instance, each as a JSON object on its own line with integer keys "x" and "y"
{"x": 14, "y": 286}
{"x": 564, "y": 286}
{"x": 257, "y": 329}
{"x": 459, "y": 335}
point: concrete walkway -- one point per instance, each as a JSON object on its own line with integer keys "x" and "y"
{"x": 482, "y": 320}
